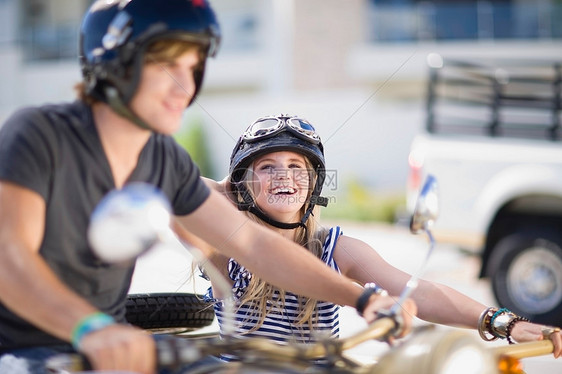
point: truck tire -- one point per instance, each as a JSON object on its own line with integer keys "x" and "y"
{"x": 526, "y": 274}
{"x": 168, "y": 310}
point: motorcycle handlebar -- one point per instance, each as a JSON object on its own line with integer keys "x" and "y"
{"x": 524, "y": 350}
{"x": 177, "y": 351}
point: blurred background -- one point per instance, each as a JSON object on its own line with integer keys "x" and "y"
{"x": 356, "y": 69}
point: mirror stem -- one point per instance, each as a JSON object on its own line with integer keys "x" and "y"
{"x": 414, "y": 280}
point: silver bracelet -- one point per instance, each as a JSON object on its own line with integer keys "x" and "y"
{"x": 500, "y": 323}
{"x": 484, "y": 324}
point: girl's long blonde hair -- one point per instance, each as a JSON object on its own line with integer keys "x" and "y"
{"x": 260, "y": 295}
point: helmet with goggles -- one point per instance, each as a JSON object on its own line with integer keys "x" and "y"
{"x": 115, "y": 34}
{"x": 276, "y": 134}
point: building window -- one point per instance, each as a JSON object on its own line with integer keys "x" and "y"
{"x": 413, "y": 21}
{"x": 49, "y": 30}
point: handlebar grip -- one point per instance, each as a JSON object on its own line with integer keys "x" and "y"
{"x": 379, "y": 329}
{"x": 528, "y": 349}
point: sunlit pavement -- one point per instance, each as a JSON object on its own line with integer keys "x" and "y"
{"x": 167, "y": 269}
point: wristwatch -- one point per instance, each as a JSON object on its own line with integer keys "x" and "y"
{"x": 369, "y": 290}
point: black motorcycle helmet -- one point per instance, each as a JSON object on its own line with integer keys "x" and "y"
{"x": 114, "y": 36}
{"x": 272, "y": 134}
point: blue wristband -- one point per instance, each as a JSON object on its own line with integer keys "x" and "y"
{"x": 90, "y": 323}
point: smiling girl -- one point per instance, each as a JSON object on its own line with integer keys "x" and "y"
{"x": 277, "y": 170}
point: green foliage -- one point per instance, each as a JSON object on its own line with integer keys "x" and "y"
{"x": 358, "y": 203}
{"x": 192, "y": 138}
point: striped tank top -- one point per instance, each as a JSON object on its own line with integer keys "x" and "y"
{"x": 280, "y": 325}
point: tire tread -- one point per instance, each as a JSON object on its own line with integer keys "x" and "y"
{"x": 168, "y": 310}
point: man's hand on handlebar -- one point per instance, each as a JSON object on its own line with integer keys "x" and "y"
{"x": 120, "y": 347}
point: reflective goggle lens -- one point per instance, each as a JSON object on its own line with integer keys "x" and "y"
{"x": 262, "y": 127}
{"x": 302, "y": 124}
{"x": 303, "y": 127}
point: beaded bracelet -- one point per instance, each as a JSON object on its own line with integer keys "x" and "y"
{"x": 510, "y": 326}
{"x": 92, "y": 322}
{"x": 369, "y": 290}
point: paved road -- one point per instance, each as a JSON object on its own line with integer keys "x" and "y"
{"x": 168, "y": 269}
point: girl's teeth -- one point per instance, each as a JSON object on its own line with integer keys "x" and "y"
{"x": 284, "y": 190}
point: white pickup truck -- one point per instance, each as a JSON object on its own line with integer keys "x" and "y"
{"x": 493, "y": 140}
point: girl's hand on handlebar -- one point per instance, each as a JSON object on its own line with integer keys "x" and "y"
{"x": 408, "y": 311}
{"x": 528, "y": 332}
{"x": 120, "y": 347}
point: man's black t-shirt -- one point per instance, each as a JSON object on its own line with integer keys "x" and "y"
{"x": 55, "y": 151}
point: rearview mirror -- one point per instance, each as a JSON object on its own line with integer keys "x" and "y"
{"x": 128, "y": 222}
{"x": 427, "y": 207}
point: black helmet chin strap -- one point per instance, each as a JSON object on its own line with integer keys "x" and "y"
{"x": 120, "y": 108}
{"x": 270, "y": 221}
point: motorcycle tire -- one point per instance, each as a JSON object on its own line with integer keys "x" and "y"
{"x": 168, "y": 310}
{"x": 526, "y": 275}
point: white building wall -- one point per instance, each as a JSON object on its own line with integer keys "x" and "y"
{"x": 367, "y": 108}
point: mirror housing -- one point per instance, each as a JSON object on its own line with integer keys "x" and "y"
{"x": 427, "y": 207}
{"x": 128, "y": 222}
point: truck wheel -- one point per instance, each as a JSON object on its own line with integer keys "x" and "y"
{"x": 168, "y": 310}
{"x": 526, "y": 274}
